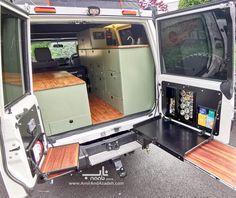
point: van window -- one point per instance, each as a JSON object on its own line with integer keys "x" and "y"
{"x": 13, "y": 47}
{"x": 58, "y": 49}
{"x": 133, "y": 36}
{"x": 196, "y": 45}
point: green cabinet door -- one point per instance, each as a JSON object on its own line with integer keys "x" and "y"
{"x": 111, "y": 60}
{"x": 114, "y": 101}
{"x": 64, "y": 109}
{"x": 138, "y": 79}
{"x": 113, "y": 81}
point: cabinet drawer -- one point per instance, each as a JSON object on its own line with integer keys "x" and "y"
{"x": 114, "y": 83}
{"x": 83, "y": 57}
{"x": 111, "y": 60}
{"x": 98, "y": 56}
{"x": 69, "y": 124}
{"x": 98, "y": 68}
{"x": 100, "y": 81}
{"x": 115, "y": 102}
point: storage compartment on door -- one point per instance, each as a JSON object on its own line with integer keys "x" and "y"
{"x": 170, "y": 136}
{"x": 197, "y": 107}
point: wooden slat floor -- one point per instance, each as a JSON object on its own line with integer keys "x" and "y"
{"x": 217, "y": 159}
{"x": 101, "y": 111}
{"x": 61, "y": 158}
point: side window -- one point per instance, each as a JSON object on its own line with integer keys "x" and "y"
{"x": 13, "y": 37}
{"x": 126, "y": 36}
{"x": 135, "y": 35}
{"x": 196, "y": 45}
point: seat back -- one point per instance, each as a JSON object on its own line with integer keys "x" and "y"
{"x": 44, "y": 60}
{"x": 43, "y": 55}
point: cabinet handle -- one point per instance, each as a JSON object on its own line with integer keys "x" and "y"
{"x": 111, "y": 74}
{"x": 71, "y": 121}
{"x": 111, "y": 97}
{"x": 109, "y": 51}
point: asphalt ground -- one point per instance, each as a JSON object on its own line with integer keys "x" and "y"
{"x": 154, "y": 174}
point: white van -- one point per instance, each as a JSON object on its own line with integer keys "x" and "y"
{"x": 84, "y": 85}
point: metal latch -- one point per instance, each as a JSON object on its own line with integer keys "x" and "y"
{"x": 113, "y": 145}
{"x": 15, "y": 149}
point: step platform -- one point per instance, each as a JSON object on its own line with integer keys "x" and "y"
{"x": 60, "y": 160}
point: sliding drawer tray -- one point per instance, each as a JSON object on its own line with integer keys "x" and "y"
{"x": 216, "y": 159}
{"x": 170, "y": 136}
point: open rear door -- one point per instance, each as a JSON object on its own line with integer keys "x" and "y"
{"x": 21, "y": 134}
{"x": 196, "y": 56}
{"x": 24, "y": 150}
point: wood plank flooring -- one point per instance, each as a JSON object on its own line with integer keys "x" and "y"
{"x": 61, "y": 158}
{"x": 101, "y": 111}
{"x": 217, "y": 159}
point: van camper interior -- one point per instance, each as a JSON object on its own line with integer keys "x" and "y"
{"x": 88, "y": 74}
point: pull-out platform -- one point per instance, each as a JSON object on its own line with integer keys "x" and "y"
{"x": 60, "y": 160}
{"x": 213, "y": 157}
{"x": 170, "y": 136}
{"x": 217, "y": 159}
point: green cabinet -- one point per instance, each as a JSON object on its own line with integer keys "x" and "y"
{"x": 123, "y": 77}
{"x": 64, "y": 109}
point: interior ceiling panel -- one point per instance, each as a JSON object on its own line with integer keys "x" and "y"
{"x": 40, "y": 31}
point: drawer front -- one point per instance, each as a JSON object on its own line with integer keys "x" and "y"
{"x": 100, "y": 81}
{"x": 114, "y": 83}
{"x": 100, "y": 86}
{"x": 89, "y": 58}
{"x": 83, "y": 57}
{"x": 98, "y": 57}
{"x": 111, "y": 60}
{"x": 115, "y": 102}
{"x": 61, "y": 105}
{"x": 69, "y": 124}
{"x": 98, "y": 68}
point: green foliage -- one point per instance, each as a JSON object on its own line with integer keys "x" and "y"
{"x": 69, "y": 48}
{"x": 189, "y": 3}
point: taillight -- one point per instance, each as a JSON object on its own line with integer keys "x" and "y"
{"x": 38, "y": 150}
{"x": 129, "y": 12}
{"x": 45, "y": 9}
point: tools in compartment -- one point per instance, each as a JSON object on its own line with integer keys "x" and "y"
{"x": 186, "y": 103}
{"x": 194, "y": 106}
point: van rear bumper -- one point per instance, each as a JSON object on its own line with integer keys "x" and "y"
{"x": 104, "y": 150}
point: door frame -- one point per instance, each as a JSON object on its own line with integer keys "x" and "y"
{"x": 17, "y": 184}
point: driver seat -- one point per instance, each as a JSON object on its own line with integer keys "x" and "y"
{"x": 44, "y": 59}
